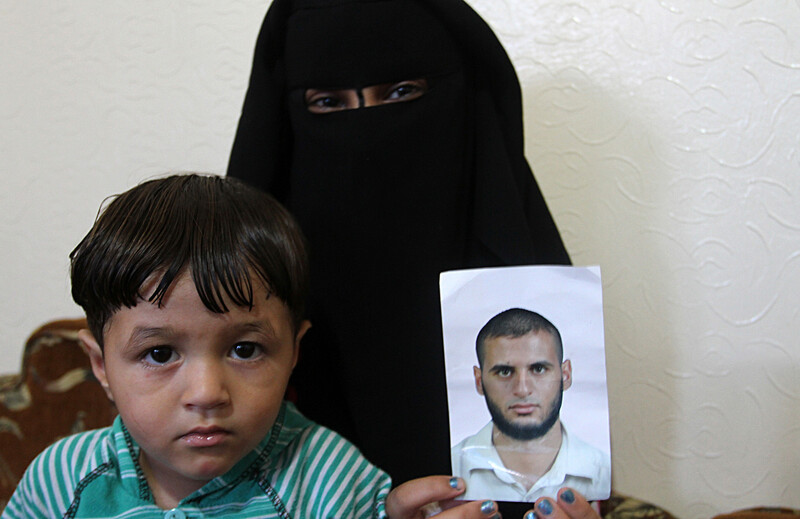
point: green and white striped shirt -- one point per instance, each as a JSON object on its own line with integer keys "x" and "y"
{"x": 300, "y": 470}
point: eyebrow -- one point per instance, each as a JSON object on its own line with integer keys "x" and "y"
{"x": 260, "y": 326}
{"x": 143, "y": 333}
{"x": 498, "y": 367}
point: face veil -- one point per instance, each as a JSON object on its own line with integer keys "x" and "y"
{"x": 389, "y": 197}
{"x": 383, "y": 183}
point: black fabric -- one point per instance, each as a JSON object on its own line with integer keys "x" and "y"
{"x": 331, "y": 46}
{"x": 389, "y": 197}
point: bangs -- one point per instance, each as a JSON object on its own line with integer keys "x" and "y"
{"x": 212, "y": 246}
{"x": 224, "y": 232}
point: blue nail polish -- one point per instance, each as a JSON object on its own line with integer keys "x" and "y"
{"x": 530, "y": 515}
{"x": 453, "y": 482}
{"x": 487, "y": 507}
{"x": 545, "y": 507}
{"x": 568, "y": 497}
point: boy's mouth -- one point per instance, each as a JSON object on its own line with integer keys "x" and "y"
{"x": 205, "y": 436}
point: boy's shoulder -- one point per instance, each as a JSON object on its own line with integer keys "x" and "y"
{"x": 299, "y": 433}
{"x": 322, "y": 474}
{"x": 296, "y": 435}
{"x": 76, "y": 455}
{"x": 53, "y": 477}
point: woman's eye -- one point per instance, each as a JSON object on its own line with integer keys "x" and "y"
{"x": 321, "y": 102}
{"x": 159, "y": 355}
{"x": 327, "y": 102}
{"x": 245, "y": 351}
{"x": 406, "y": 91}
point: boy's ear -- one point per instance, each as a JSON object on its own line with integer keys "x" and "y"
{"x": 95, "y": 353}
{"x": 301, "y": 331}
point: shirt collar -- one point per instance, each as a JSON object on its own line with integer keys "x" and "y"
{"x": 479, "y": 453}
{"x": 570, "y": 462}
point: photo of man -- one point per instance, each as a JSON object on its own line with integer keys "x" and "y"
{"x": 526, "y": 381}
{"x": 525, "y": 452}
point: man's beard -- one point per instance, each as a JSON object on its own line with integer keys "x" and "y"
{"x": 525, "y": 432}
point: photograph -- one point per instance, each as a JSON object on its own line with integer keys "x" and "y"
{"x": 526, "y": 381}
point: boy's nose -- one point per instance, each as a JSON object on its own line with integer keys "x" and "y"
{"x": 206, "y": 387}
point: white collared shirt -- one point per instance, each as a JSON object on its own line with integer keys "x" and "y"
{"x": 578, "y": 465}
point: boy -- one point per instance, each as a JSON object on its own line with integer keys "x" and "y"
{"x": 194, "y": 291}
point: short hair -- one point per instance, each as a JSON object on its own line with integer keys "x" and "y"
{"x": 515, "y": 322}
{"x": 222, "y": 230}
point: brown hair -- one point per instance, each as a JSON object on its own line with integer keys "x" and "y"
{"x": 219, "y": 228}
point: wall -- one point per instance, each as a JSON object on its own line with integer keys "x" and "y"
{"x": 665, "y": 137}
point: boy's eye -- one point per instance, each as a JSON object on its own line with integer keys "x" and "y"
{"x": 159, "y": 355}
{"x": 539, "y": 368}
{"x": 245, "y": 351}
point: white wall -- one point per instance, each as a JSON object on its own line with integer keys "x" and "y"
{"x": 665, "y": 135}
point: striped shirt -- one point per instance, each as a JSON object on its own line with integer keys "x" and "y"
{"x": 300, "y": 470}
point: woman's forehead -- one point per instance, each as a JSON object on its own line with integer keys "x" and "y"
{"x": 356, "y": 44}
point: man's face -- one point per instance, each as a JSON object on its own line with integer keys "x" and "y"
{"x": 523, "y": 381}
{"x": 197, "y": 390}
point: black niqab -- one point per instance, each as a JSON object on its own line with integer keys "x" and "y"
{"x": 389, "y": 197}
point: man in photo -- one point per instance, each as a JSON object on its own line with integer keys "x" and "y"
{"x": 525, "y": 452}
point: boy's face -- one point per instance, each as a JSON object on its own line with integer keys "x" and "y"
{"x": 196, "y": 389}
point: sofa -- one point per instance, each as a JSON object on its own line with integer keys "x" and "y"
{"x": 54, "y": 395}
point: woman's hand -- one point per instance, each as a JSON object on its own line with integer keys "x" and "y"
{"x": 434, "y": 495}
{"x": 570, "y": 505}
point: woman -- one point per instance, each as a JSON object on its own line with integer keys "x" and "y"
{"x": 392, "y": 129}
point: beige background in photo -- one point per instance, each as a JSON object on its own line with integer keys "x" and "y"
{"x": 665, "y": 135}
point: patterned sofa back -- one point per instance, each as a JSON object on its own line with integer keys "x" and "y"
{"x": 54, "y": 395}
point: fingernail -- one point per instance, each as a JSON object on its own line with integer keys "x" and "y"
{"x": 487, "y": 507}
{"x": 454, "y": 483}
{"x": 568, "y": 497}
{"x": 545, "y": 507}
{"x": 530, "y": 515}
